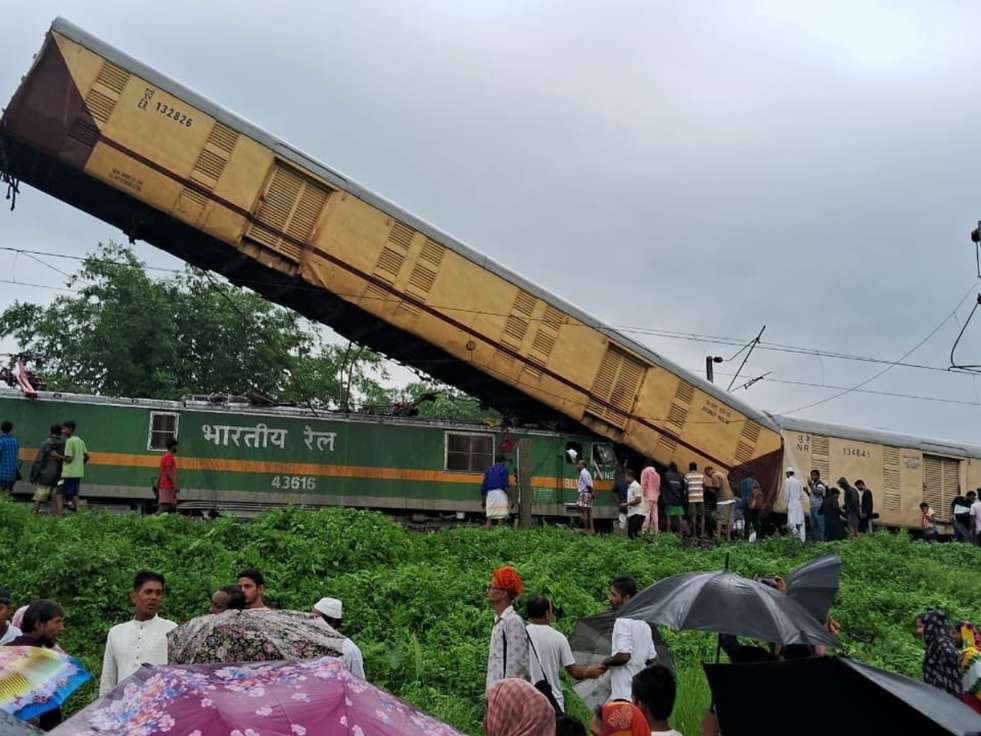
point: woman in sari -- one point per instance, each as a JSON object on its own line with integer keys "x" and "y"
{"x": 969, "y": 639}
{"x": 619, "y": 718}
{"x": 516, "y": 708}
{"x": 941, "y": 660}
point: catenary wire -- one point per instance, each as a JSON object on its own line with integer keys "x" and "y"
{"x": 889, "y": 367}
{"x": 647, "y": 331}
{"x": 670, "y": 334}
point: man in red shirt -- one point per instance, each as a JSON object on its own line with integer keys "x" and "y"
{"x": 167, "y": 485}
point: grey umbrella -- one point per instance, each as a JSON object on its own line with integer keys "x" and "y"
{"x": 815, "y": 584}
{"x": 726, "y": 603}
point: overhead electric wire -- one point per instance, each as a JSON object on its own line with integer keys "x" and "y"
{"x": 646, "y": 331}
{"x": 889, "y": 367}
{"x": 894, "y": 394}
{"x": 28, "y": 284}
{"x": 669, "y": 334}
{"x": 972, "y": 368}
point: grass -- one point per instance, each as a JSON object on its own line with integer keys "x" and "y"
{"x": 414, "y": 602}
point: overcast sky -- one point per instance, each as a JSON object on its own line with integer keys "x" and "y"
{"x": 697, "y": 167}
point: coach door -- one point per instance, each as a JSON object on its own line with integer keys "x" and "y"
{"x": 941, "y": 483}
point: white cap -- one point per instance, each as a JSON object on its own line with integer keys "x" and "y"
{"x": 329, "y": 607}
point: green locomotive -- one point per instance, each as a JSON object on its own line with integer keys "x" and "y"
{"x": 241, "y": 459}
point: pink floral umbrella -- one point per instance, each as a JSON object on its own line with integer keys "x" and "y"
{"x": 312, "y": 698}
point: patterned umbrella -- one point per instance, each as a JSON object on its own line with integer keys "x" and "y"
{"x": 34, "y": 680}
{"x": 314, "y": 698}
{"x": 256, "y": 635}
{"x": 14, "y": 726}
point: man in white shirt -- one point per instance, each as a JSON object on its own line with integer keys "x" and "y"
{"x": 633, "y": 643}
{"x": 143, "y": 640}
{"x": 636, "y": 504}
{"x": 550, "y": 650}
{"x": 654, "y": 690}
{"x": 584, "y": 496}
{"x": 331, "y": 610}
{"x": 8, "y": 632}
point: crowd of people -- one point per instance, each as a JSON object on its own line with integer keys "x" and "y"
{"x": 524, "y": 662}
{"x": 143, "y": 639}
{"x": 699, "y": 504}
{"x": 57, "y": 470}
{"x": 702, "y": 504}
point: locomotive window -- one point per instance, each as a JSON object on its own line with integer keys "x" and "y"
{"x": 573, "y": 448}
{"x": 163, "y": 426}
{"x": 604, "y": 457}
{"x": 472, "y": 453}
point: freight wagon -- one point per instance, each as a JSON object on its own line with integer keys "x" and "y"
{"x": 901, "y": 470}
{"x": 243, "y": 459}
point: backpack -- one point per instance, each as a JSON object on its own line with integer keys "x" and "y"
{"x": 756, "y": 498}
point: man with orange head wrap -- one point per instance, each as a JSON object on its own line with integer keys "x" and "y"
{"x": 508, "y": 655}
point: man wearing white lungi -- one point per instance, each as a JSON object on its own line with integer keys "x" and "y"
{"x": 494, "y": 491}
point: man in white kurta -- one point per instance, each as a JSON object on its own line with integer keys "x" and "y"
{"x": 793, "y": 493}
{"x": 143, "y": 640}
{"x": 332, "y": 610}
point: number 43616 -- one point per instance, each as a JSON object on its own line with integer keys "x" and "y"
{"x": 294, "y": 482}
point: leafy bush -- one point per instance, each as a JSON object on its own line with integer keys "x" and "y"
{"x": 415, "y": 602}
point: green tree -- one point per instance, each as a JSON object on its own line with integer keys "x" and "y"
{"x": 123, "y": 333}
{"x": 446, "y": 404}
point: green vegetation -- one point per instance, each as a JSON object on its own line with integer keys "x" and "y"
{"x": 415, "y": 602}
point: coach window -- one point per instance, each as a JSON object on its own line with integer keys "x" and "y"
{"x": 467, "y": 452}
{"x": 163, "y": 426}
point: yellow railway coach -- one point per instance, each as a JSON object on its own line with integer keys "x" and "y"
{"x": 901, "y": 470}
{"x": 111, "y": 136}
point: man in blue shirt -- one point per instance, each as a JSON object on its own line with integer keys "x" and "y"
{"x": 9, "y": 462}
{"x": 494, "y": 492}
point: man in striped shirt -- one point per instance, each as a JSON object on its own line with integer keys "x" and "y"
{"x": 696, "y": 500}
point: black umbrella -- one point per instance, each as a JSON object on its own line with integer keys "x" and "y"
{"x": 725, "y": 603}
{"x": 592, "y": 642}
{"x": 815, "y": 584}
{"x": 846, "y": 698}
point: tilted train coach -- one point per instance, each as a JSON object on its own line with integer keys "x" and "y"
{"x": 105, "y": 133}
